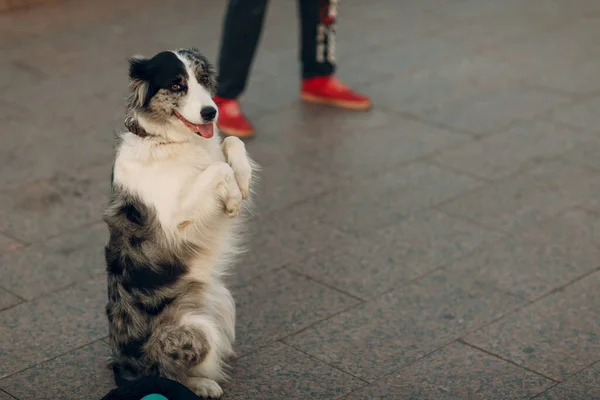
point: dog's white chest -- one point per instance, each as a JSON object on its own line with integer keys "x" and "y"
{"x": 160, "y": 182}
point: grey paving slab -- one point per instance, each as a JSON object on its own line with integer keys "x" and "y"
{"x": 81, "y": 374}
{"x": 527, "y": 199}
{"x": 582, "y": 386}
{"x": 473, "y": 9}
{"x": 74, "y": 27}
{"x": 8, "y": 300}
{"x": 205, "y": 35}
{"x": 440, "y": 84}
{"x": 16, "y": 73}
{"x": 280, "y": 372}
{"x": 582, "y": 115}
{"x": 281, "y": 238}
{"x": 386, "y": 198}
{"x": 491, "y": 112}
{"x": 34, "y": 153}
{"x": 541, "y": 260}
{"x": 406, "y": 20}
{"x": 8, "y": 110}
{"x": 415, "y": 55}
{"x": 394, "y": 330}
{"x": 59, "y": 112}
{"x": 56, "y": 324}
{"x": 505, "y": 25}
{"x": 270, "y": 93}
{"x": 283, "y": 184}
{"x": 587, "y": 155}
{"x": 456, "y": 372}
{"x": 385, "y": 259}
{"x": 280, "y": 304}
{"x": 36, "y": 210}
{"x": 410, "y": 6}
{"x": 578, "y": 79}
{"x": 556, "y": 336}
{"x": 5, "y": 396}
{"x": 8, "y": 245}
{"x": 506, "y": 153}
{"x": 296, "y": 170}
{"x": 381, "y": 148}
{"x": 277, "y": 33}
{"x": 55, "y": 264}
{"x": 553, "y": 46}
{"x": 53, "y": 19}
{"x": 489, "y": 32}
{"x": 297, "y": 129}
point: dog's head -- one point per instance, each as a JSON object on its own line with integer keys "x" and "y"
{"x": 171, "y": 94}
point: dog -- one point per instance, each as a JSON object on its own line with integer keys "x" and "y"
{"x": 177, "y": 191}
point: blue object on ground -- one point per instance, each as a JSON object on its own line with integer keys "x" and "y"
{"x": 154, "y": 396}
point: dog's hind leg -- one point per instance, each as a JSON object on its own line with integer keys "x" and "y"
{"x": 203, "y": 376}
{"x": 177, "y": 350}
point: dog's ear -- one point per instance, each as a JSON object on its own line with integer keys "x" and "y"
{"x": 138, "y": 68}
{"x": 138, "y": 74}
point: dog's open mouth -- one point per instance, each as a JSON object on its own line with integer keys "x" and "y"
{"x": 205, "y": 130}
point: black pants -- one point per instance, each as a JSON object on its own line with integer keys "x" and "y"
{"x": 241, "y": 31}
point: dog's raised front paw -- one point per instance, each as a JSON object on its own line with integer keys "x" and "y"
{"x": 235, "y": 152}
{"x": 228, "y": 189}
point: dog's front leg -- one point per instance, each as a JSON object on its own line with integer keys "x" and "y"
{"x": 236, "y": 156}
{"x": 214, "y": 193}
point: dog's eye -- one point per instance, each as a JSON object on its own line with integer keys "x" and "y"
{"x": 203, "y": 79}
{"x": 175, "y": 87}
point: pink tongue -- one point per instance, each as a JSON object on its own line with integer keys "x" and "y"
{"x": 205, "y": 130}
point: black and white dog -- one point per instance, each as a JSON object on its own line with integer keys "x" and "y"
{"x": 176, "y": 193}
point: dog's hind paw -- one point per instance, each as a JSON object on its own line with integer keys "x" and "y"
{"x": 205, "y": 387}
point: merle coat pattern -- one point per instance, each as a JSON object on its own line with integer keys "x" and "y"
{"x": 176, "y": 194}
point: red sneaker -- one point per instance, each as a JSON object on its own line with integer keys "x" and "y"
{"x": 231, "y": 120}
{"x": 329, "y": 90}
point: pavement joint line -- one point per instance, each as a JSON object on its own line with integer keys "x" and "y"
{"x": 464, "y": 342}
{"x": 326, "y": 285}
{"x": 567, "y": 378}
{"x": 323, "y": 362}
{"x": 8, "y": 394}
{"x": 3, "y": 377}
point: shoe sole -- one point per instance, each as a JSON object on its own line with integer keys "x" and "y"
{"x": 225, "y": 131}
{"x": 349, "y": 105}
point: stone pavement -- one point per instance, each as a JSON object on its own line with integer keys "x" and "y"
{"x": 445, "y": 245}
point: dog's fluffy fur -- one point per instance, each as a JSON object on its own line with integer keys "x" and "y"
{"x": 174, "y": 227}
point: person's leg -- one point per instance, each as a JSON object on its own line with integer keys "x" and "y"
{"x": 317, "y": 35}
{"x": 317, "y": 54}
{"x": 242, "y": 28}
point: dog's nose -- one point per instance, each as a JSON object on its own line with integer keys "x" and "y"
{"x": 208, "y": 113}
